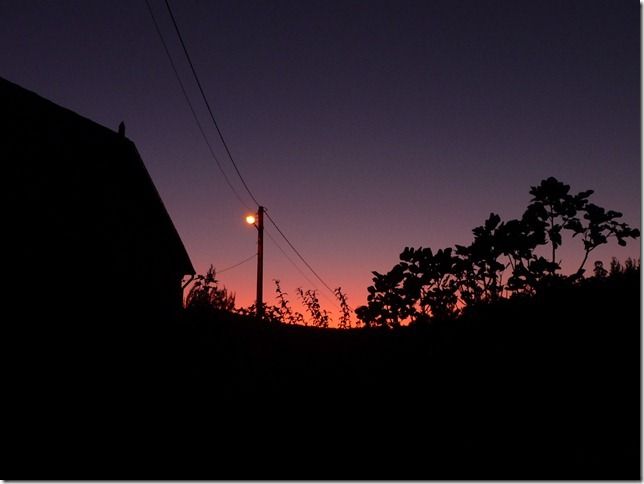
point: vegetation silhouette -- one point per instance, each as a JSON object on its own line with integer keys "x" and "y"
{"x": 531, "y": 376}
{"x": 507, "y": 370}
{"x": 426, "y": 286}
{"x": 205, "y": 293}
{"x": 535, "y": 386}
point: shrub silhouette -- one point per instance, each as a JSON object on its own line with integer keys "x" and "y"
{"x": 432, "y": 280}
{"x": 517, "y": 240}
{"x": 480, "y": 268}
{"x": 425, "y": 286}
{"x": 283, "y": 312}
{"x": 630, "y": 268}
{"x": 599, "y": 271}
{"x": 600, "y": 226}
{"x": 389, "y": 302}
{"x": 345, "y": 309}
{"x": 204, "y": 293}
{"x": 552, "y": 209}
{"x": 319, "y": 317}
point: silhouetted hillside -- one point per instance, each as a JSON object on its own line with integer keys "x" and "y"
{"x": 539, "y": 388}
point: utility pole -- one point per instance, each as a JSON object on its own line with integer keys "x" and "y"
{"x": 260, "y": 262}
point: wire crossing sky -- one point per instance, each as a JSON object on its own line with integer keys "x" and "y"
{"x": 205, "y": 99}
{"x": 222, "y": 139}
{"x": 192, "y": 109}
{"x": 363, "y": 126}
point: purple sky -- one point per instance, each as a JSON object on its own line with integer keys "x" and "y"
{"x": 363, "y": 126}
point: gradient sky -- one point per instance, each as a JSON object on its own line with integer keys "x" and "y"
{"x": 362, "y": 126}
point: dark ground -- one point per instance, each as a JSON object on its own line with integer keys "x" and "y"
{"x": 540, "y": 389}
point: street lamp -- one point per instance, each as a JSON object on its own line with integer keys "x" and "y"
{"x": 258, "y": 222}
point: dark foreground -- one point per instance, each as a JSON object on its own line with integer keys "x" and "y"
{"x": 544, "y": 389}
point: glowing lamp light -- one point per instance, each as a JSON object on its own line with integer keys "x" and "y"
{"x": 250, "y": 219}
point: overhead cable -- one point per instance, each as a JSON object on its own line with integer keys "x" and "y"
{"x": 223, "y": 141}
{"x": 236, "y": 265}
{"x": 298, "y": 253}
{"x": 205, "y": 99}
{"x": 298, "y": 268}
{"x": 192, "y": 109}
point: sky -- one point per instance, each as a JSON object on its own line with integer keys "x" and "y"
{"x": 362, "y": 126}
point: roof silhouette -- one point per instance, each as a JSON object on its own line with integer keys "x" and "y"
{"x": 82, "y": 205}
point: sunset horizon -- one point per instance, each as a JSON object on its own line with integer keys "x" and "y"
{"x": 323, "y": 239}
{"x": 382, "y": 126}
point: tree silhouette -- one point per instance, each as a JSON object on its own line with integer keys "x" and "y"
{"x": 480, "y": 268}
{"x": 421, "y": 286}
{"x": 426, "y": 285}
{"x": 517, "y": 240}
{"x": 552, "y": 209}
{"x": 430, "y": 279}
{"x": 388, "y": 302}
{"x": 601, "y": 224}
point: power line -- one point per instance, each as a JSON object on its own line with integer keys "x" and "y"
{"x": 289, "y": 259}
{"x": 203, "y": 95}
{"x": 230, "y": 156}
{"x": 298, "y": 253}
{"x": 333, "y": 301}
{"x": 237, "y": 265}
{"x": 192, "y": 109}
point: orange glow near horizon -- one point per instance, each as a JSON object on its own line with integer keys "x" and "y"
{"x": 354, "y": 279}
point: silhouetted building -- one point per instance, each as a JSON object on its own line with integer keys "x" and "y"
{"x": 86, "y": 227}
